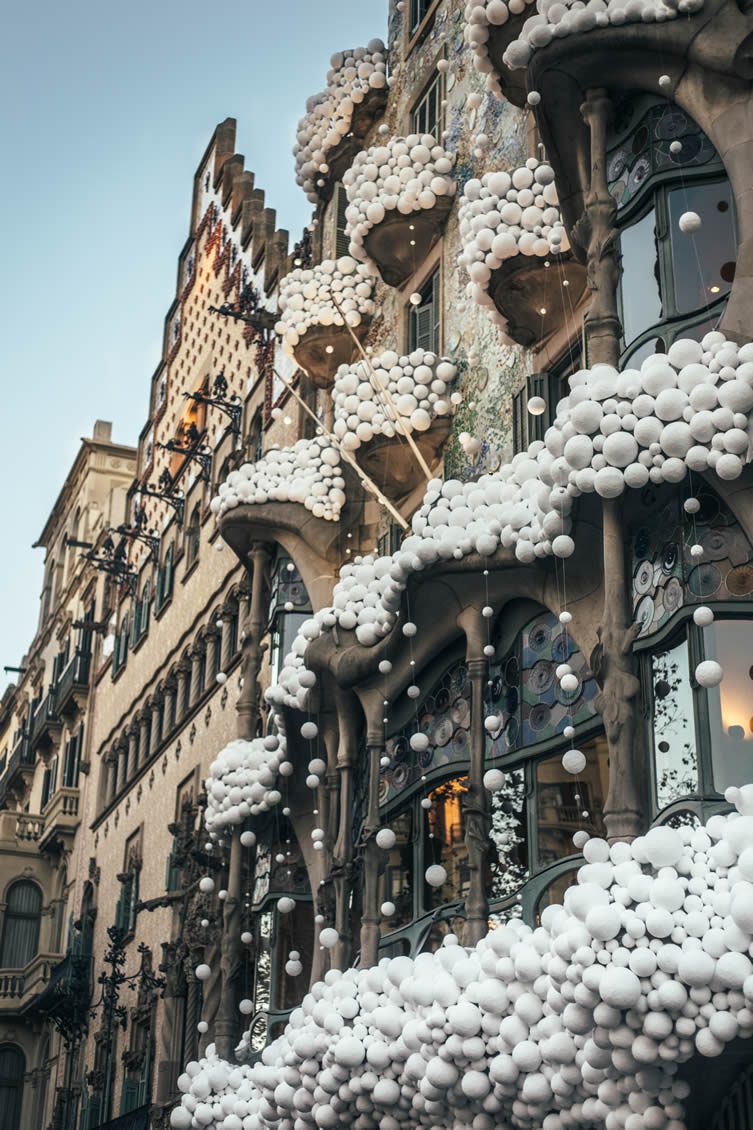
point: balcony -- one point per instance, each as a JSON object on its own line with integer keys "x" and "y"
{"x": 45, "y": 723}
{"x": 395, "y": 223}
{"x": 20, "y": 988}
{"x": 61, "y": 819}
{"x": 18, "y": 773}
{"x": 72, "y": 687}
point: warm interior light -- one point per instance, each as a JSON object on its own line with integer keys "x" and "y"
{"x": 714, "y": 289}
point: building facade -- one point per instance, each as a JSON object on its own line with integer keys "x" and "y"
{"x": 432, "y": 576}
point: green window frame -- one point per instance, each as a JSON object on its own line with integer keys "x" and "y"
{"x": 425, "y": 319}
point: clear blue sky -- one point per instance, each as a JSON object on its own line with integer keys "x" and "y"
{"x": 105, "y": 112}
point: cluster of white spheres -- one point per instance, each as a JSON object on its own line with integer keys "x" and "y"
{"x": 681, "y": 411}
{"x": 583, "y": 1020}
{"x": 308, "y": 473}
{"x": 329, "y": 115}
{"x": 335, "y": 292}
{"x": 294, "y": 965}
{"x": 242, "y": 782}
{"x": 404, "y": 174}
{"x": 392, "y": 395}
{"x": 505, "y": 214}
{"x": 554, "y": 19}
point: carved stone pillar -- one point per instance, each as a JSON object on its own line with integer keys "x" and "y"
{"x": 213, "y": 646}
{"x": 476, "y": 810}
{"x": 124, "y": 765}
{"x": 372, "y": 854}
{"x": 181, "y": 691}
{"x": 613, "y": 662}
{"x": 133, "y": 750}
{"x": 195, "y": 690}
{"x": 111, "y": 777}
{"x": 144, "y": 739}
{"x": 154, "y": 735}
{"x": 596, "y": 234}
{"x": 226, "y": 637}
{"x": 248, "y": 716}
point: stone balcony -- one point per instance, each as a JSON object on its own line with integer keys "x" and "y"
{"x": 60, "y": 821}
{"x": 20, "y": 988}
{"x": 72, "y": 688}
{"x": 397, "y": 211}
{"x": 19, "y": 771}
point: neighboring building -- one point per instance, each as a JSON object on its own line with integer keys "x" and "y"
{"x": 45, "y": 752}
{"x": 428, "y": 320}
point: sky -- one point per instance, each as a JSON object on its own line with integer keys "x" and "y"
{"x": 105, "y": 112}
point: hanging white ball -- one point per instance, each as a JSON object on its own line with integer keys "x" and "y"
{"x": 385, "y": 666}
{"x": 203, "y": 972}
{"x": 435, "y": 875}
{"x": 247, "y": 938}
{"x": 386, "y": 839}
{"x": 709, "y": 673}
{"x": 537, "y": 406}
{"x": 387, "y": 910}
{"x": 689, "y": 222}
{"x": 309, "y": 730}
{"x": 328, "y": 937}
{"x": 533, "y": 98}
{"x": 574, "y": 761}
{"x": 419, "y": 742}
{"x": 246, "y": 1007}
{"x": 206, "y": 884}
{"x": 285, "y": 905}
{"x": 703, "y": 616}
{"x": 248, "y": 839}
{"x": 202, "y": 1027}
{"x": 494, "y": 780}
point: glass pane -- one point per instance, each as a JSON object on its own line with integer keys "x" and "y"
{"x": 639, "y": 288}
{"x": 555, "y": 892}
{"x": 263, "y": 986}
{"x": 639, "y": 355}
{"x": 444, "y": 842}
{"x": 398, "y": 875}
{"x": 508, "y": 855}
{"x": 703, "y": 263}
{"x": 675, "y": 762}
{"x": 566, "y": 804}
{"x": 295, "y": 931}
{"x": 731, "y": 703}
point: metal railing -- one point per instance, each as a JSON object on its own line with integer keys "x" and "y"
{"x": 75, "y": 675}
{"x": 45, "y": 713}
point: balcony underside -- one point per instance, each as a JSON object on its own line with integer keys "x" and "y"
{"x": 391, "y": 463}
{"x": 315, "y": 545}
{"x": 522, "y": 287}
{"x": 399, "y": 244}
{"x": 365, "y": 115}
{"x": 312, "y": 354}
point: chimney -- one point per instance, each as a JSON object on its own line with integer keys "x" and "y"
{"x": 102, "y": 431}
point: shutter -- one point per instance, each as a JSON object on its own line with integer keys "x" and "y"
{"x": 525, "y": 427}
{"x": 341, "y": 204}
{"x": 424, "y": 323}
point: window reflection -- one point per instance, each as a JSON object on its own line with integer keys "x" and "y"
{"x": 731, "y": 703}
{"x": 440, "y": 930}
{"x": 555, "y": 892}
{"x": 509, "y": 839}
{"x": 703, "y": 263}
{"x": 641, "y": 296}
{"x": 562, "y": 799}
{"x": 675, "y": 761}
{"x": 295, "y": 931}
{"x": 398, "y": 876}
{"x": 444, "y": 842}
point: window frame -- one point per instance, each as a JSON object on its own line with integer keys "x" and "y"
{"x": 415, "y": 32}
{"x": 11, "y": 916}
{"x": 434, "y": 278}
{"x": 436, "y": 83}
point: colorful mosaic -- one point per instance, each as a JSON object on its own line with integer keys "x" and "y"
{"x": 666, "y": 577}
{"x": 526, "y": 694}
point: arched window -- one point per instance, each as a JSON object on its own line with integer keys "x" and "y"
{"x": 21, "y": 926}
{"x": 193, "y": 537}
{"x": 660, "y": 165}
{"x": 12, "y": 1069}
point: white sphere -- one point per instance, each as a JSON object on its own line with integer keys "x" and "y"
{"x": 709, "y": 673}
{"x": 435, "y": 875}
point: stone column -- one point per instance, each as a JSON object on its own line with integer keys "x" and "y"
{"x": 248, "y": 716}
{"x": 144, "y": 740}
{"x": 596, "y": 234}
{"x": 213, "y": 645}
{"x": 226, "y": 636}
{"x": 476, "y": 806}
{"x": 613, "y": 662}
{"x": 195, "y": 689}
{"x": 135, "y": 755}
{"x": 111, "y": 777}
{"x": 170, "y": 712}
{"x": 124, "y": 764}
{"x": 372, "y": 854}
{"x": 154, "y": 737}
{"x": 181, "y": 677}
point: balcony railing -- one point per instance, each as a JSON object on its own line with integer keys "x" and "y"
{"x": 45, "y": 721}
{"x": 19, "y": 988}
{"x": 73, "y": 685}
{"x": 20, "y": 762}
{"x": 29, "y": 828}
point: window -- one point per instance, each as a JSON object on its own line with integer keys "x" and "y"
{"x": 672, "y": 284}
{"x": 120, "y": 649}
{"x": 72, "y": 759}
{"x": 21, "y": 926}
{"x": 289, "y": 607}
{"x": 141, "y": 613}
{"x": 12, "y": 1070}
{"x": 125, "y": 911}
{"x": 424, "y": 320}
{"x": 675, "y": 759}
{"x": 49, "y": 782}
{"x": 730, "y": 705}
{"x": 193, "y": 538}
{"x": 419, "y": 10}
{"x": 340, "y": 242}
{"x": 164, "y": 580}
{"x": 255, "y": 441}
{"x": 427, "y": 115}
